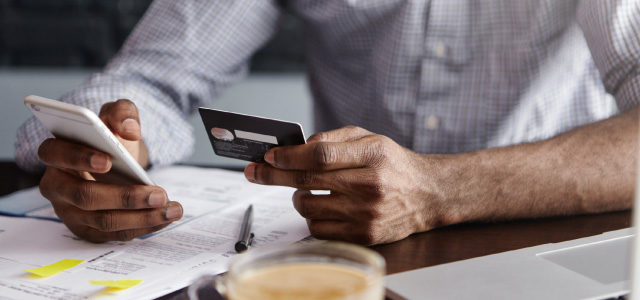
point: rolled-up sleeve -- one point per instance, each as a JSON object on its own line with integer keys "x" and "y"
{"x": 180, "y": 56}
{"x": 612, "y": 31}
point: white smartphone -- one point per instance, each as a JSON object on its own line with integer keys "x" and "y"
{"x": 81, "y": 125}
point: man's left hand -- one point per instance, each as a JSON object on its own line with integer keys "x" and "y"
{"x": 380, "y": 191}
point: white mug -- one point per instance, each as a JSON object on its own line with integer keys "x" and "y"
{"x": 322, "y": 270}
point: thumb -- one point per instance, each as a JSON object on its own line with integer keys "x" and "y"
{"x": 344, "y": 134}
{"x": 122, "y": 118}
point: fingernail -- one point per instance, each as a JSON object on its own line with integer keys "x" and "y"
{"x": 130, "y": 126}
{"x": 269, "y": 157}
{"x": 173, "y": 212}
{"x": 250, "y": 172}
{"x": 157, "y": 199}
{"x": 98, "y": 161}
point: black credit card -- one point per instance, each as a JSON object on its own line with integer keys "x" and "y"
{"x": 247, "y": 137}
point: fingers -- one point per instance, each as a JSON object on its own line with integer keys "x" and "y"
{"x": 59, "y": 186}
{"x": 344, "y": 134}
{"x": 343, "y": 231}
{"x": 334, "y": 230}
{"x": 67, "y": 155}
{"x": 349, "y": 181}
{"x": 306, "y": 180}
{"x": 97, "y": 236}
{"x": 331, "y": 150}
{"x": 341, "y": 217}
{"x": 101, "y": 212}
{"x": 122, "y": 118}
{"x": 336, "y": 206}
{"x": 321, "y": 156}
{"x": 118, "y": 220}
{"x": 321, "y": 207}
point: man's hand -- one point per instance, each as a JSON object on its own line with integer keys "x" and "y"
{"x": 378, "y": 191}
{"x": 97, "y": 211}
{"x": 381, "y": 192}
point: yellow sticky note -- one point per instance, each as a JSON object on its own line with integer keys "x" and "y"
{"x": 117, "y": 285}
{"x": 55, "y": 268}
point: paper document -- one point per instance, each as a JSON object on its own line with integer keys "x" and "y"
{"x": 148, "y": 267}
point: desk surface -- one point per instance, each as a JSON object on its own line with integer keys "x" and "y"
{"x": 442, "y": 245}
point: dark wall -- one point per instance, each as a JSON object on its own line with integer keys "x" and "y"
{"x": 86, "y": 33}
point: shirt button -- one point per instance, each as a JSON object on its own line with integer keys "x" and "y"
{"x": 431, "y": 122}
{"x": 440, "y": 50}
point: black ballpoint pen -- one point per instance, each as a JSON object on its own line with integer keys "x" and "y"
{"x": 245, "y": 238}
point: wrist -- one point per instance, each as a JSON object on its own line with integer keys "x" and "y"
{"x": 447, "y": 182}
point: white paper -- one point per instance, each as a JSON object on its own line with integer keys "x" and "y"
{"x": 202, "y": 242}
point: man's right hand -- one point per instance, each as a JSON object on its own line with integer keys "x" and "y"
{"x": 97, "y": 211}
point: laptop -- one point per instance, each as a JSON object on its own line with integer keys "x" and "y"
{"x": 604, "y": 266}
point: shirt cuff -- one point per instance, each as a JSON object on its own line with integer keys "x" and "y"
{"x": 628, "y": 95}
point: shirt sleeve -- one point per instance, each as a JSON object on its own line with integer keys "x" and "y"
{"x": 180, "y": 56}
{"x": 612, "y": 31}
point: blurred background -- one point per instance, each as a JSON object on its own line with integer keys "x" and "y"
{"x": 48, "y": 47}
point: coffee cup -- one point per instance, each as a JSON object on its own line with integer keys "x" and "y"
{"x": 319, "y": 270}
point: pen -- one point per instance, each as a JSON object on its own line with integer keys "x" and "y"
{"x": 245, "y": 238}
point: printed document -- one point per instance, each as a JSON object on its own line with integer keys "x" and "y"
{"x": 202, "y": 242}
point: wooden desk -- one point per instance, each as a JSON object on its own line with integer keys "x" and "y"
{"x": 442, "y": 245}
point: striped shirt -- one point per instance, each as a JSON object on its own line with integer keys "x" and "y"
{"x": 437, "y": 76}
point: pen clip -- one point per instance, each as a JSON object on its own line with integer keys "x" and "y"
{"x": 250, "y": 243}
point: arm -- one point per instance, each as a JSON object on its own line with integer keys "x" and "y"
{"x": 587, "y": 170}
{"x": 381, "y": 192}
{"x": 180, "y": 56}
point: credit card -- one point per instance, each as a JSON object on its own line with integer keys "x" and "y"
{"x": 247, "y": 137}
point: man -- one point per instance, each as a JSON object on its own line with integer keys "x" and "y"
{"x": 474, "y": 110}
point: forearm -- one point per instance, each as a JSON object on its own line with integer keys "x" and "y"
{"x": 587, "y": 170}
{"x": 180, "y": 56}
